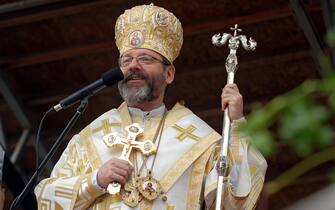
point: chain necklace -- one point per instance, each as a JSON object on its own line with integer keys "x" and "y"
{"x": 147, "y": 187}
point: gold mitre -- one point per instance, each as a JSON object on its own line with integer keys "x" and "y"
{"x": 150, "y": 27}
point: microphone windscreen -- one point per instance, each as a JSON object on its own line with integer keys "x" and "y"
{"x": 112, "y": 76}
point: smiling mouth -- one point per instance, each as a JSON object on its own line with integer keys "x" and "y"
{"x": 134, "y": 78}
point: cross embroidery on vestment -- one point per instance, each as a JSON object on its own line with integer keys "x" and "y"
{"x": 106, "y": 126}
{"x": 186, "y": 132}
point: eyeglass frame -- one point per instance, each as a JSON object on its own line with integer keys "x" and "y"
{"x": 165, "y": 61}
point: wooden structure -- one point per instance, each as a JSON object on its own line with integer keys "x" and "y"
{"x": 50, "y": 48}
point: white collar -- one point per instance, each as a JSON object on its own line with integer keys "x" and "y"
{"x": 153, "y": 113}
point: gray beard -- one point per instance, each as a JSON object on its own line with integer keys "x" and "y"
{"x": 144, "y": 93}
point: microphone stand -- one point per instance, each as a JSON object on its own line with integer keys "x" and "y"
{"x": 81, "y": 108}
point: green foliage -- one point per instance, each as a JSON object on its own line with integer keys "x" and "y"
{"x": 303, "y": 123}
{"x": 303, "y": 127}
{"x": 301, "y": 119}
{"x": 331, "y": 101}
{"x": 329, "y": 88}
{"x": 263, "y": 140}
{"x": 330, "y": 37}
{"x": 332, "y": 175}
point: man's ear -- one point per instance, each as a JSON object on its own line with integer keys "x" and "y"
{"x": 170, "y": 71}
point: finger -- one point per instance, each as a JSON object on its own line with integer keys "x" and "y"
{"x": 130, "y": 170}
{"x": 117, "y": 178}
{"x": 228, "y": 103}
{"x": 125, "y": 165}
{"x": 118, "y": 160}
{"x": 232, "y": 98}
{"x": 119, "y": 167}
{"x": 224, "y": 104}
{"x": 122, "y": 161}
{"x": 230, "y": 90}
{"x": 228, "y": 95}
{"x": 231, "y": 86}
{"x": 120, "y": 171}
{"x": 119, "y": 163}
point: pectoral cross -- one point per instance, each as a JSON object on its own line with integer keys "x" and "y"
{"x": 129, "y": 143}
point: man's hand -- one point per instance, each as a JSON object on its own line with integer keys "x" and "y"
{"x": 232, "y": 98}
{"x": 114, "y": 170}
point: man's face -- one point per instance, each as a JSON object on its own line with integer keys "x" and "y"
{"x": 145, "y": 77}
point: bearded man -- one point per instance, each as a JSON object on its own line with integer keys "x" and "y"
{"x": 180, "y": 172}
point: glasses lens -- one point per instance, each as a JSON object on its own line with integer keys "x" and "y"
{"x": 145, "y": 59}
{"x": 125, "y": 61}
{"x": 142, "y": 59}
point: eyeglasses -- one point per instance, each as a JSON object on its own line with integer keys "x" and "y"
{"x": 142, "y": 60}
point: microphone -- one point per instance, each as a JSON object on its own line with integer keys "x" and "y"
{"x": 107, "y": 79}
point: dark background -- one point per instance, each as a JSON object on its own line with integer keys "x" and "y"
{"x": 50, "y": 48}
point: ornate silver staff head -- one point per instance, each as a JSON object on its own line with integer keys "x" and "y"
{"x": 233, "y": 44}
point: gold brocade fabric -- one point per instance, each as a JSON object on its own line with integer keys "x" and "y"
{"x": 150, "y": 27}
{"x": 185, "y": 167}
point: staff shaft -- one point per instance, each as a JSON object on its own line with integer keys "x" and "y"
{"x": 222, "y": 165}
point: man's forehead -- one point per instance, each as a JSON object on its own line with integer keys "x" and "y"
{"x": 140, "y": 51}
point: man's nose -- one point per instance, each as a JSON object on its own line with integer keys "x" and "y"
{"x": 133, "y": 66}
{"x": 134, "y": 63}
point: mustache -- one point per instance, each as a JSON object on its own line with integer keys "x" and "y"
{"x": 135, "y": 75}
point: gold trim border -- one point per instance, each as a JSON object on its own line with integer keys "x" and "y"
{"x": 187, "y": 159}
{"x": 196, "y": 181}
{"x": 92, "y": 153}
